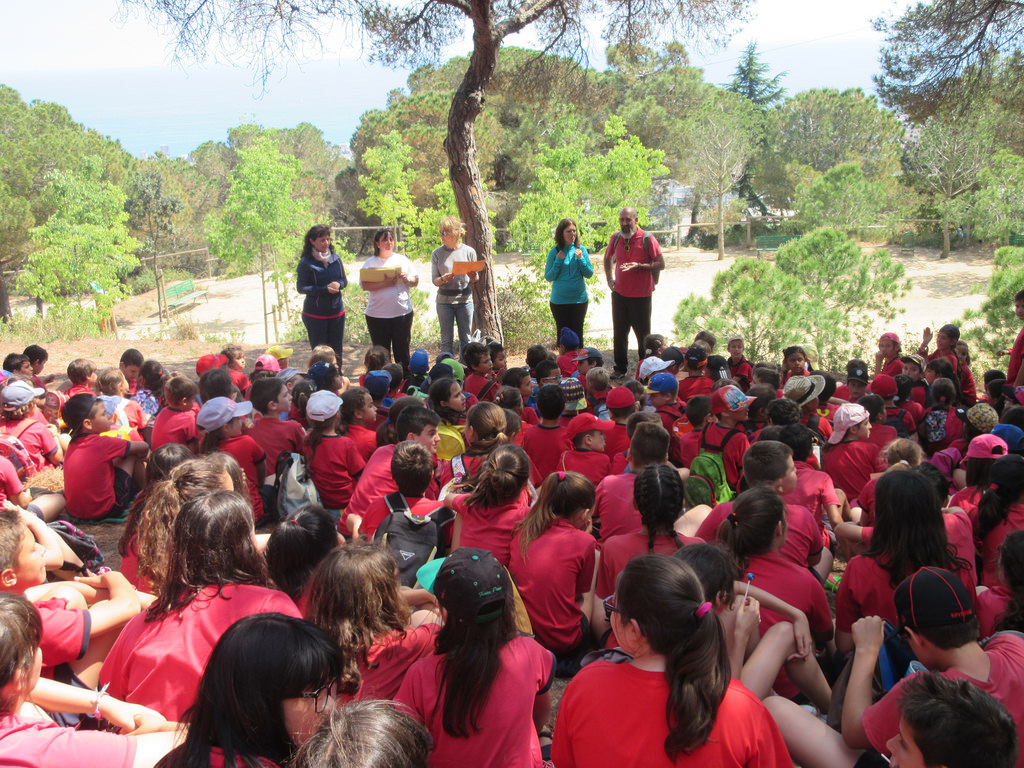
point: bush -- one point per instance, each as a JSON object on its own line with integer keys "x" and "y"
{"x": 61, "y": 323}
{"x": 522, "y": 303}
{"x": 993, "y": 327}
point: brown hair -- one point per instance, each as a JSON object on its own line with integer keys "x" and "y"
{"x": 561, "y": 495}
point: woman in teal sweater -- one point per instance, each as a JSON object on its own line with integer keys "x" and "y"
{"x": 567, "y": 268}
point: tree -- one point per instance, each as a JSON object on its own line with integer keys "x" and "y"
{"x": 151, "y": 209}
{"x": 943, "y": 161}
{"x": 938, "y": 53}
{"x": 260, "y": 221}
{"x": 387, "y": 181}
{"x": 993, "y": 327}
{"x": 411, "y": 33}
{"x": 726, "y": 134}
{"x": 84, "y": 247}
{"x": 998, "y": 209}
{"x": 841, "y": 198}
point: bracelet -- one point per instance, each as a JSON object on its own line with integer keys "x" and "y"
{"x": 96, "y": 701}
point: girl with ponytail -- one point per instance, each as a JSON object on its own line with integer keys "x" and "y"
{"x": 1000, "y": 510}
{"x": 684, "y": 710}
{"x": 485, "y": 430}
{"x": 486, "y": 517}
{"x": 553, "y": 558}
{"x": 658, "y": 496}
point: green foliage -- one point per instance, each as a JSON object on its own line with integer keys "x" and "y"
{"x": 386, "y": 181}
{"x": 84, "y": 241}
{"x": 998, "y": 204}
{"x": 841, "y": 198}
{"x": 821, "y": 290}
{"x": 749, "y": 80}
{"x": 152, "y": 207}
{"x": 525, "y": 316}
{"x": 589, "y": 187}
{"x": 60, "y": 323}
{"x": 993, "y": 327}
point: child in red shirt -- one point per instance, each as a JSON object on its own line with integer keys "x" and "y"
{"x": 621, "y": 405}
{"x": 18, "y": 419}
{"x": 851, "y": 458}
{"x": 236, "y": 367}
{"x": 479, "y": 380}
{"x": 82, "y": 375}
{"x": 221, "y": 418}
{"x": 568, "y": 346}
{"x": 359, "y": 419}
{"x": 127, "y": 414}
{"x": 698, "y": 415}
{"x": 740, "y": 369}
{"x": 614, "y": 510}
{"x": 130, "y": 365}
{"x": 176, "y": 422}
{"x": 545, "y": 442}
{"x": 273, "y": 431}
{"x": 697, "y": 381}
{"x": 334, "y": 460}
{"x": 586, "y": 456}
{"x": 661, "y": 395}
{"x": 729, "y": 405}
{"x": 101, "y": 474}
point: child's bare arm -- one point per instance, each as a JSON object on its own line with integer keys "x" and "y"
{"x": 122, "y": 604}
{"x": 61, "y": 697}
{"x": 261, "y": 471}
{"x": 801, "y": 627}
{"x": 46, "y": 537}
{"x": 138, "y": 448}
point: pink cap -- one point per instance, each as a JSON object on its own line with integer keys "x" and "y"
{"x": 848, "y": 415}
{"x": 987, "y": 447}
{"x": 267, "y": 363}
{"x": 891, "y": 337}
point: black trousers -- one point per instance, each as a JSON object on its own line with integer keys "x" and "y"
{"x": 629, "y": 314}
{"x": 570, "y": 316}
{"x": 392, "y": 333}
{"x": 329, "y": 331}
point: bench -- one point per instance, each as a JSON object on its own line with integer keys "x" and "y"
{"x": 182, "y": 294}
{"x": 772, "y": 242}
{"x": 1017, "y": 240}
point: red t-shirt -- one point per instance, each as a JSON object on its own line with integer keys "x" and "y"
{"x": 333, "y": 466}
{"x": 507, "y": 737}
{"x": 613, "y": 715}
{"x": 490, "y": 528}
{"x": 240, "y": 380}
{"x": 1006, "y": 677}
{"x": 881, "y": 435}
{"x": 375, "y": 482}
{"x": 635, "y": 283}
{"x": 567, "y": 363}
{"x": 742, "y": 372}
{"x": 1016, "y": 356}
{"x": 616, "y": 441}
{"x": 850, "y": 465}
{"x": 689, "y": 447}
{"x": 390, "y": 657}
{"x": 38, "y": 743}
{"x": 248, "y": 454}
{"x": 814, "y": 490}
{"x": 173, "y": 426}
{"x": 89, "y": 474}
{"x": 803, "y": 534}
{"x": 908, "y": 417}
{"x": 620, "y": 463}
{"x": 11, "y": 485}
{"x": 994, "y": 540}
{"x": 893, "y": 367}
{"x": 990, "y": 606}
{"x": 364, "y": 438}
{"x": 692, "y": 386}
{"x": 79, "y": 389}
{"x": 617, "y": 551}
{"x": 529, "y": 418}
{"x": 65, "y": 632}
{"x": 475, "y": 385}
{"x": 714, "y": 434}
{"x": 159, "y": 663}
{"x": 276, "y": 437}
{"x": 592, "y": 465}
{"x": 544, "y": 446}
{"x": 613, "y": 505}
{"x": 558, "y": 567}
{"x": 38, "y": 441}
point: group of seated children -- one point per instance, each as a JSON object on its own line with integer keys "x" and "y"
{"x": 453, "y": 536}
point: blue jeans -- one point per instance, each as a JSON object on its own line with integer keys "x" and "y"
{"x": 449, "y": 315}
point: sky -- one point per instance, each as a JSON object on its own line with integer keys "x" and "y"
{"x": 115, "y": 70}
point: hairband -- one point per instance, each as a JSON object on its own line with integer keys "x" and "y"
{"x": 702, "y": 610}
{"x": 561, "y": 476}
{"x": 732, "y": 518}
{"x": 993, "y": 486}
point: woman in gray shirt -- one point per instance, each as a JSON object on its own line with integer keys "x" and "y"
{"x": 454, "y": 294}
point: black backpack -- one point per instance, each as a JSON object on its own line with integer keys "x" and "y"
{"x": 896, "y": 421}
{"x": 415, "y": 540}
{"x": 82, "y": 544}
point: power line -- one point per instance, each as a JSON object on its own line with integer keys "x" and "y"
{"x": 784, "y": 47}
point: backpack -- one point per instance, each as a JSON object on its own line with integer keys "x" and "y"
{"x": 13, "y": 449}
{"x": 935, "y": 425}
{"x": 294, "y": 486}
{"x": 414, "y": 540}
{"x": 708, "y": 482}
{"x": 896, "y": 421}
{"x": 647, "y": 250}
{"x": 82, "y": 544}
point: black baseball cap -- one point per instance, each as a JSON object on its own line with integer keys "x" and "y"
{"x": 472, "y": 585}
{"x": 932, "y": 597}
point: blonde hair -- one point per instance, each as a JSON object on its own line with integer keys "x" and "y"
{"x": 322, "y": 354}
{"x": 488, "y": 423}
{"x": 109, "y": 381}
{"x": 450, "y": 225}
{"x": 902, "y": 450}
{"x": 598, "y": 379}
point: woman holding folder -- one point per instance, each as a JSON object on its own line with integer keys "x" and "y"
{"x": 450, "y": 268}
{"x": 321, "y": 278}
{"x": 388, "y": 276}
{"x": 567, "y": 268}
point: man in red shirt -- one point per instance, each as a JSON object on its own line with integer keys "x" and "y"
{"x": 635, "y": 258}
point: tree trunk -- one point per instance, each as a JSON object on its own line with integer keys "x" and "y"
{"x": 5, "y": 300}
{"x": 721, "y": 227}
{"x": 945, "y": 240}
{"x": 464, "y": 170}
{"x": 263, "y": 285}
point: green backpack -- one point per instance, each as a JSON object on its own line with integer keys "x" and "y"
{"x": 708, "y": 483}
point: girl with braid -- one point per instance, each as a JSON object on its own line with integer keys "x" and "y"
{"x": 684, "y": 710}
{"x": 658, "y": 496}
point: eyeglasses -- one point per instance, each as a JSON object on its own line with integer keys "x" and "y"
{"x": 609, "y": 607}
{"x": 321, "y": 696}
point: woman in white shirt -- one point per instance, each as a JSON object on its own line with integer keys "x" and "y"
{"x": 389, "y": 307}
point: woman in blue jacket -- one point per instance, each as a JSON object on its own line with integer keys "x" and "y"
{"x": 322, "y": 279}
{"x": 567, "y": 268}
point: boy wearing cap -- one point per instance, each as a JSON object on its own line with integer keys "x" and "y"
{"x": 662, "y": 395}
{"x": 851, "y": 457}
{"x": 913, "y": 366}
{"x": 726, "y": 435}
{"x": 586, "y": 455}
{"x": 588, "y": 357}
{"x": 805, "y": 391}
{"x": 568, "y": 351}
{"x": 614, "y": 512}
{"x": 176, "y": 423}
{"x": 575, "y": 400}
{"x": 885, "y": 387}
{"x": 281, "y": 354}
{"x": 101, "y": 474}
{"x": 856, "y": 382}
{"x": 697, "y": 381}
{"x": 621, "y": 405}
{"x": 19, "y": 421}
